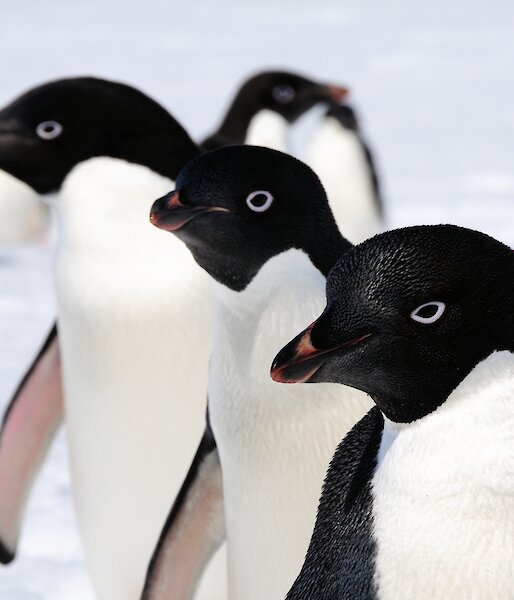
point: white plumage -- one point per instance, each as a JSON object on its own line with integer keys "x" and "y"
{"x": 135, "y": 317}
{"x": 275, "y": 441}
{"x": 269, "y": 129}
{"x": 337, "y": 156}
{"x": 23, "y": 216}
{"x": 443, "y": 490}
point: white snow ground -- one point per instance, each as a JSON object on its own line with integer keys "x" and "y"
{"x": 434, "y": 85}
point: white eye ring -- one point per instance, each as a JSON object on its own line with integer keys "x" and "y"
{"x": 283, "y": 94}
{"x": 259, "y": 207}
{"x": 49, "y": 130}
{"x": 440, "y": 308}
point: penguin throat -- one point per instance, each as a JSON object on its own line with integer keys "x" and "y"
{"x": 327, "y": 249}
{"x": 496, "y": 371}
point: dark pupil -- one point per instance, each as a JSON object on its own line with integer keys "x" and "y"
{"x": 427, "y": 311}
{"x": 49, "y": 128}
{"x": 259, "y": 200}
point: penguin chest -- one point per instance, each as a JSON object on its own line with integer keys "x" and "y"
{"x": 443, "y": 490}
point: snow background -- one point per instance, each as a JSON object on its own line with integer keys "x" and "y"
{"x": 433, "y": 84}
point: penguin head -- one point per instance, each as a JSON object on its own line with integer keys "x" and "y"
{"x": 238, "y": 206}
{"x": 47, "y": 131}
{"x": 288, "y": 94}
{"x": 409, "y": 314}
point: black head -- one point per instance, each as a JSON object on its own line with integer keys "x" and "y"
{"x": 239, "y": 206}
{"x": 345, "y": 114}
{"x": 409, "y": 314}
{"x": 51, "y": 128}
{"x": 287, "y": 94}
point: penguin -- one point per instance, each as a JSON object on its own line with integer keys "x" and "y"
{"x": 418, "y": 501}
{"x": 134, "y": 387}
{"x": 265, "y": 105}
{"x": 344, "y": 163}
{"x": 259, "y": 223}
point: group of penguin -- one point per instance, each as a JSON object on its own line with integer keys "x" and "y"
{"x": 394, "y": 480}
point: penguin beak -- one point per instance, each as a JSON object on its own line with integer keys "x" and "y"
{"x": 300, "y": 360}
{"x": 170, "y": 214}
{"x": 336, "y": 93}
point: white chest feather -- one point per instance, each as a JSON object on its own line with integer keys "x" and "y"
{"x": 275, "y": 441}
{"x": 444, "y": 495}
{"x": 268, "y": 129}
{"x": 135, "y": 317}
{"x": 337, "y": 157}
{"x": 23, "y": 215}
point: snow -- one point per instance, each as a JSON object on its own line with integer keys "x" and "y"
{"x": 433, "y": 82}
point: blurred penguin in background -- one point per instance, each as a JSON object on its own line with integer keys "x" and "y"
{"x": 266, "y": 105}
{"x": 344, "y": 163}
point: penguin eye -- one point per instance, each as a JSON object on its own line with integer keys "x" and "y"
{"x": 283, "y": 94}
{"x": 259, "y": 201}
{"x": 49, "y": 130}
{"x": 428, "y": 313}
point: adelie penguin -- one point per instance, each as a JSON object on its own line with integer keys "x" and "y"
{"x": 134, "y": 322}
{"x": 264, "y": 107}
{"x": 419, "y": 498}
{"x": 344, "y": 162}
{"x": 259, "y": 223}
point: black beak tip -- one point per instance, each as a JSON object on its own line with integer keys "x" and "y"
{"x": 156, "y": 211}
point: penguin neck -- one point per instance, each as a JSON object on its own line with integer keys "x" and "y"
{"x": 235, "y": 125}
{"x": 491, "y": 379}
{"x": 326, "y": 249}
{"x": 245, "y": 305}
{"x": 165, "y": 154}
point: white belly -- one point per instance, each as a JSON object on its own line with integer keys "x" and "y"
{"x": 338, "y": 159}
{"x": 444, "y": 495}
{"x": 135, "y": 329}
{"x": 275, "y": 441}
{"x": 23, "y": 216}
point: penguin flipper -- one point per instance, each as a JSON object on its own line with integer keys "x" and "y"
{"x": 194, "y": 529}
{"x": 29, "y": 425}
